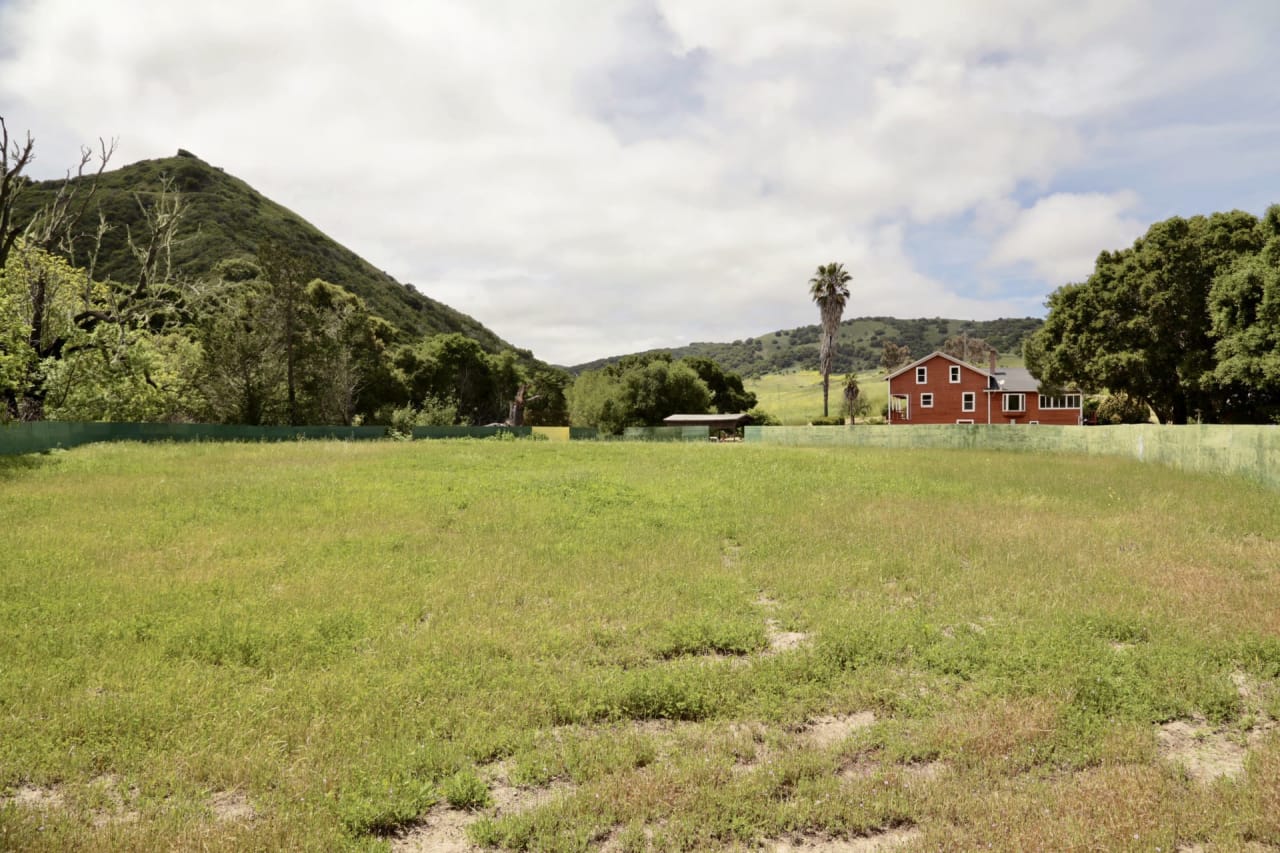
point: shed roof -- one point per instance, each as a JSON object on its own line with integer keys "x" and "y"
{"x": 716, "y": 421}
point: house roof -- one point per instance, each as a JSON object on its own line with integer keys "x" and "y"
{"x": 1014, "y": 379}
{"x": 934, "y": 354}
{"x": 1017, "y": 379}
{"x": 716, "y": 421}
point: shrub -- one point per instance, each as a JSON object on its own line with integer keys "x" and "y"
{"x": 465, "y": 790}
{"x": 832, "y": 421}
{"x": 1120, "y": 408}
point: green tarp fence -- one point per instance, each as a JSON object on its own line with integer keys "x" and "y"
{"x": 667, "y": 433}
{"x": 1249, "y": 451}
{"x": 18, "y": 438}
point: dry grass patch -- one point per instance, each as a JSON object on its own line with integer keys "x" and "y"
{"x": 880, "y": 841}
{"x": 232, "y": 807}
{"x": 827, "y": 731}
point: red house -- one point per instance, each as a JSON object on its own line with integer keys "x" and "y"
{"x": 939, "y": 389}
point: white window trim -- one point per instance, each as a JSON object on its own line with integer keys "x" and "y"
{"x": 1060, "y": 402}
{"x": 969, "y": 401}
{"x": 1034, "y": 423}
{"x": 926, "y": 400}
{"x": 922, "y": 376}
{"x": 1004, "y": 403}
{"x": 965, "y": 421}
{"x": 954, "y": 374}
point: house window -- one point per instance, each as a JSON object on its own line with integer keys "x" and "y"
{"x": 1063, "y": 401}
{"x": 922, "y": 375}
{"x": 926, "y": 401}
{"x": 1015, "y": 402}
{"x": 965, "y": 421}
{"x": 955, "y": 374}
{"x": 969, "y": 401}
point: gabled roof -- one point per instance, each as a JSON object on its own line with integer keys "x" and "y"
{"x": 1014, "y": 379}
{"x": 935, "y": 354}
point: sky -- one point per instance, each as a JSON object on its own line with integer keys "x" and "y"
{"x": 595, "y": 177}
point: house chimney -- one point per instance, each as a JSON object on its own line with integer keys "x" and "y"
{"x": 991, "y": 357}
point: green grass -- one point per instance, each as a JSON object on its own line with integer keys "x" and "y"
{"x": 795, "y": 398}
{"x": 343, "y": 637}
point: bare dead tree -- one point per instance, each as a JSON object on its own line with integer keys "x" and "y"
{"x": 56, "y": 226}
{"x": 515, "y": 413}
{"x": 155, "y": 252}
{"x": 15, "y": 155}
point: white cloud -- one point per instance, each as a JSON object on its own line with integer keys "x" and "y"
{"x": 595, "y": 177}
{"x": 1061, "y": 235}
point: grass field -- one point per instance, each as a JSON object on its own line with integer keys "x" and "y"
{"x": 636, "y": 647}
{"x": 795, "y": 398}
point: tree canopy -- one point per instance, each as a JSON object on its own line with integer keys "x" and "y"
{"x": 1183, "y": 321}
{"x": 642, "y": 390}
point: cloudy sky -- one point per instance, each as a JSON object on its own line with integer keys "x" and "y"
{"x": 590, "y": 177}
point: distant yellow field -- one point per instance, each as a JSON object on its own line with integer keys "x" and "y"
{"x": 796, "y": 398}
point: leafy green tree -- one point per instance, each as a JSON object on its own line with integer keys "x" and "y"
{"x": 457, "y": 367}
{"x": 142, "y": 376}
{"x": 42, "y": 297}
{"x": 1244, "y": 306}
{"x": 637, "y": 391}
{"x": 242, "y": 372}
{"x": 286, "y": 276}
{"x": 1141, "y": 325}
{"x": 829, "y": 288}
{"x": 728, "y": 396}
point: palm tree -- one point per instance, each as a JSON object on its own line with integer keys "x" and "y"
{"x": 829, "y": 288}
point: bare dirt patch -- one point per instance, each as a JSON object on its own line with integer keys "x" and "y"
{"x": 831, "y": 730}
{"x": 33, "y": 797}
{"x": 780, "y": 640}
{"x": 232, "y": 807}
{"x": 923, "y": 771}
{"x": 1206, "y": 754}
{"x": 442, "y": 830}
{"x": 864, "y": 844}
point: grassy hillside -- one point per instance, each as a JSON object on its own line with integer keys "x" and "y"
{"x": 227, "y": 217}
{"x": 859, "y": 345}
{"x": 326, "y": 646}
{"x": 795, "y": 398}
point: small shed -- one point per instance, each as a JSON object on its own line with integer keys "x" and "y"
{"x": 721, "y": 427}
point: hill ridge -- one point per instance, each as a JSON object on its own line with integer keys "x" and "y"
{"x": 227, "y": 217}
{"x": 858, "y": 348}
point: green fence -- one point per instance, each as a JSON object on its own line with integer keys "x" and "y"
{"x": 667, "y": 433}
{"x": 1248, "y": 451}
{"x": 18, "y": 438}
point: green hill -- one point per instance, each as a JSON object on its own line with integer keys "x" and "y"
{"x": 227, "y": 218}
{"x": 859, "y": 347}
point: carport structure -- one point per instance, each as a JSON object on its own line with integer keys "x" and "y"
{"x": 721, "y": 427}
